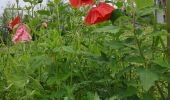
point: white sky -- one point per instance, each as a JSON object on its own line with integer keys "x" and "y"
{"x": 3, "y": 4}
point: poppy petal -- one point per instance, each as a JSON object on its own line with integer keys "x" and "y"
{"x": 75, "y": 3}
{"x": 16, "y": 21}
{"x": 92, "y": 17}
{"x": 87, "y": 2}
{"x": 99, "y": 14}
{"x": 78, "y": 3}
{"x": 105, "y": 9}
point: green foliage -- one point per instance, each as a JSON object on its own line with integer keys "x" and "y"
{"x": 119, "y": 60}
{"x": 144, "y": 3}
{"x": 107, "y": 29}
{"x": 147, "y": 78}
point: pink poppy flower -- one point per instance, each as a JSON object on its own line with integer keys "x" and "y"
{"x": 22, "y": 34}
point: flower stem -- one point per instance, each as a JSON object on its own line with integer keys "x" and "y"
{"x": 134, "y": 31}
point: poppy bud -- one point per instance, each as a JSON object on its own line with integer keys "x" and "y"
{"x": 45, "y": 24}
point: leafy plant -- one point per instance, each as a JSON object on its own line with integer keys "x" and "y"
{"x": 121, "y": 59}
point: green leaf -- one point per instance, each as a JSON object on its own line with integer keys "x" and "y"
{"x": 119, "y": 4}
{"x": 96, "y": 97}
{"x": 147, "y": 78}
{"x": 39, "y": 61}
{"x": 147, "y": 96}
{"x": 19, "y": 80}
{"x": 114, "y": 98}
{"x": 91, "y": 96}
{"x": 35, "y": 84}
{"x": 40, "y": 1}
{"x": 161, "y": 62}
{"x": 68, "y": 49}
{"x": 56, "y": 49}
{"x": 134, "y": 59}
{"x": 145, "y": 11}
{"x": 115, "y": 44}
{"x": 115, "y": 15}
{"x": 31, "y": 1}
{"x": 27, "y": 1}
{"x": 44, "y": 12}
{"x": 130, "y": 91}
{"x": 144, "y": 3}
{"x": 107, "y": 29}
{"x": 57, "y": 1}
{"x": 159, "y": 33}
{"x": 58, "y": 78}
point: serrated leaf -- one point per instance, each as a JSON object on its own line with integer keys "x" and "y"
{"x": 147, "y": 78}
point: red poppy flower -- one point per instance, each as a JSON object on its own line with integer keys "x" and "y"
{"x": 78, "y": 3}
{"x": 14, "y": 22}
{"x": 99, "y": 14}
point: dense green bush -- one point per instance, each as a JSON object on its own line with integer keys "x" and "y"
{"x": 120, "y": 60}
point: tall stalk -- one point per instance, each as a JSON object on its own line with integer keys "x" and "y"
{"x": 134, "y": 31}
{"x": 168, "y": 38}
